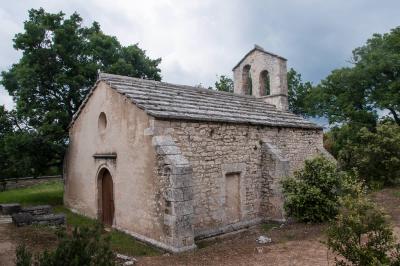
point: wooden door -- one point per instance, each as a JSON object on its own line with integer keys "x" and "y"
{"x": 107, "y": 199}
{"x": 232, "y": 198}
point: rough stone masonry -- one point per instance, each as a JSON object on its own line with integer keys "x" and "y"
{"x": 170, "y": 164}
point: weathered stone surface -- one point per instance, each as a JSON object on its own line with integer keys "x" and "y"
{"x": 176, "y": 183}
{"x": 161, "y": 141}
{"x": 10, "y": 208}
{"x": 168, "y": 150}
{"x": 256, "y": 63}
{"x": 176, "y": 160}
{"x": 38, "y": 210}
{"x": 5, "y": 219}
{"x": 22, "y": 218}
{"x": 49, "y": 219}
{"x": 170, "y": 101}
{"x": 275, "y": 167}
{"x": 261, "y": 155}
{"x": 263, "y": 240}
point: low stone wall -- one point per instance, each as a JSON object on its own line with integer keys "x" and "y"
{"x": 26, "y": 182}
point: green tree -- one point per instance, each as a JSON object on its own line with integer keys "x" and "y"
{"x": 6, "y": 126}
{"x": 19, "y": 152}
{"x": 378, "y": 61}
{"x": 59, "y": 64}
{"x": 375, "y": 155}
{"x": 355, "y": 94}
{"x": 342, "y": 100}
{"x": 298, "y": 93}
{"x": 224, "y": 84}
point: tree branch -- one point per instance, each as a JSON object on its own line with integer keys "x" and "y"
{"x": 395, "y": 116}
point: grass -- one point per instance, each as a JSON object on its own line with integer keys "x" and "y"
{"x": 125, "y": 244}
{"x": 206, "y": 243}
{"x": 51, "y": 193}
{"x": 46, "y": 193}
{"x": 268, "y": 226}
{"x": 73, "y": 219}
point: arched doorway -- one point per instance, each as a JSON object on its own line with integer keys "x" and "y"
{"x": 106, "y": 197}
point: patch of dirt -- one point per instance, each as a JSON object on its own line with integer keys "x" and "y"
{"x": 36, "y": 238}
{"x": 295, "y": 244}
{"x": 7, "y": 245}
{"x": 389, "y": 199}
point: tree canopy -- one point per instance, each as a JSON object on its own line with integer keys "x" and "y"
{"x": 358, "y": 93}
{"x": 60, "y": 62}
{"x": 298, "y": 93}
{"x": 224, "y": 84}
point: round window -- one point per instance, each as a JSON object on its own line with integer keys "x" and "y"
{"x": 102, "y": 122}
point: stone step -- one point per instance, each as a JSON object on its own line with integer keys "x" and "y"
{"x": 22, "y": 218}
{"x": 38, "y": 210}
{"x": 49, "y": 219}
{"x": 25, "y": 218}
{"x": 9, "y": 208}
{"x": 5, "y": 219}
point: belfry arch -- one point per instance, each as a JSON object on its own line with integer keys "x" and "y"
{"x": 265, "y": 83}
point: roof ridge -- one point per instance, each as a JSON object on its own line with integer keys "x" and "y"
{"x": 167, "y": 101}
{"x": 103, "y": 76}
{"x": 260, "y": 49}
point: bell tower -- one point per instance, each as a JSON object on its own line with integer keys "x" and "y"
{"x": 263, "y": 75}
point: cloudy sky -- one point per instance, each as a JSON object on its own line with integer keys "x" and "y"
{"x": 199, "y": 39}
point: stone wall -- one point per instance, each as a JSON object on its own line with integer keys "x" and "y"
{"x": 216, "y": 149}
{"x": 7, "y": 184}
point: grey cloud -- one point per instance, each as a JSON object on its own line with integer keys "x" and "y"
{"x": 199, "y": 39}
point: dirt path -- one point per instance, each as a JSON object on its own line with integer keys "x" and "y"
{"x": 7, "y": 246}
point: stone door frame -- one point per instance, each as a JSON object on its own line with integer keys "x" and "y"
{"x": 99, "y": 192}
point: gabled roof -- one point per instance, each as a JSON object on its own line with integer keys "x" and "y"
{"x": 260, "y": 49}
{"x": 169, "y": 101}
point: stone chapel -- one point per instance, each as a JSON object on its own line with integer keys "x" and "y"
{"x": 170, "y": 164}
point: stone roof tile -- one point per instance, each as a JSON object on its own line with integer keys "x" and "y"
{"x": 169, "y": 101}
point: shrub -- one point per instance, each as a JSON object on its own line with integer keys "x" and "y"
{"x": 361, "y": 235}
{"x": 86, "y": 247}
{"x": 312, "y": 195}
